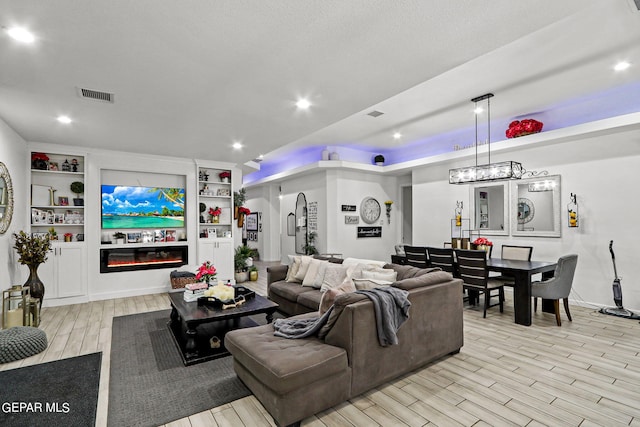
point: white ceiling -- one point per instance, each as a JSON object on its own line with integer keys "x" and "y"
{"x": 190, "y": 78}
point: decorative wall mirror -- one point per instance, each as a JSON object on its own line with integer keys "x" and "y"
{"x": 489, "y": 208}
{"x": 535, "y": 203}
{"x": 301, "y": 223}
{"x": 6, "y": 198}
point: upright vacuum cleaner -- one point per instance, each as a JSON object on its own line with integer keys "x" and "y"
{"x": 619, "y": 310}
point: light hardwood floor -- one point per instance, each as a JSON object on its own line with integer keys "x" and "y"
{"x": 584, "y": 373}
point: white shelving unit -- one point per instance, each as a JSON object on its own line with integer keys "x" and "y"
{"x": 215, "y": 241}
{"x": 52, "y": 206}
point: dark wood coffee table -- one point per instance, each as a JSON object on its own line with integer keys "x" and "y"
{"x": 199, "y": 331}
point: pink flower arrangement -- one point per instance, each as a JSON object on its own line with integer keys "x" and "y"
{"x": 206, "y": 272}
{"x": 244, "y": 211}
{"x": 215, "y": 212}
{"x": 482, "y": 241}
{"x": 523, "y": 127}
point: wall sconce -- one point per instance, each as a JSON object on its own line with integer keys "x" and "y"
{"x": 572, "y": 211}
{"x": 458, "y": 213}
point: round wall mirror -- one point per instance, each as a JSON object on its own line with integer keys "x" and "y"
{"x": 526, "y": 210}
{"x": 6, "y": 198}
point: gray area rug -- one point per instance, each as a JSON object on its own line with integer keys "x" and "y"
{"x": 150, "y": 386}
{"x": 59, "y": 393}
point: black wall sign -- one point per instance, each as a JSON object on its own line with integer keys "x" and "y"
{"x": 348, "y": 208}
{"x": 369, "y": 232}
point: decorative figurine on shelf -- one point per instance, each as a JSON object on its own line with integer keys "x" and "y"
{"x": 205, "y": 176}
{"x": 74, "y": 165}
{"x": 66, "y": 166}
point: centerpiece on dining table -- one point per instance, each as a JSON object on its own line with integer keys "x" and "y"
{"x": 483, "y": 244}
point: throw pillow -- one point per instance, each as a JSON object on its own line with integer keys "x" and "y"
{"x": 329, "y": 297}
{"x": 304, "y": 266}
{"x": 293, "y": 269}
{"x": 379, "y": 274}
{"x": 356, "y": 261}
{"x": 312, "y": 272}
{"x": 334, "y": 275}
{"x": 370, "y": 283}
{"x": 317, "y": 283}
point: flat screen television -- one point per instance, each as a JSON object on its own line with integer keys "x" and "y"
{"x": 142, "y": 207}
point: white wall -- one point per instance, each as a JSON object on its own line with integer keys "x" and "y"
{"x": 265, "y": 201}
{"x": 13, "y": 153}
{"x": 600, "y": 171}
{"x": 332, "y": 189}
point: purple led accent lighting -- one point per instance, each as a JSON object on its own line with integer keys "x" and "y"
{"x": 620, "y": 100}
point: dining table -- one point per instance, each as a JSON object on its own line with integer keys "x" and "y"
{"x": 522, "y": 271}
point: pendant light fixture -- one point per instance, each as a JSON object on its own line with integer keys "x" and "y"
{"x": 489, "y": 171}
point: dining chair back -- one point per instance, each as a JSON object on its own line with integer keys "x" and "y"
{"x": 441, "y": 257}
{"x": 416, "y": 256}
{"x": 472, "y": 268}
{"x": 558, "y": 287}
{"x": 520, "y": 253}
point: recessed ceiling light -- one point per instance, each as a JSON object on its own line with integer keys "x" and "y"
{"x": 303, "y": 104}
{"x": 237, "y": 145}
{"x": 64, "y": 119}
{"x": 397, "y": 135}
{"x": 622, "y": 65}
{"x": 478, "y": 110}
{"x": 21, "y": 34}
{"x": 261, "y": 156}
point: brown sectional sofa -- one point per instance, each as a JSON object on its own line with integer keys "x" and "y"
{"x": 296, "y": 378}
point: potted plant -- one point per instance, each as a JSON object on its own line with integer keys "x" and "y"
{"x": 225, "y": 176}
{"x": 214, "y": 214}
{"x": 78, "y": 188}
{"x": 240, "y": 262}
{"x": 119, "y": 236}
{"x": 310, "y": 248}
{"x": 53, "y": 234}
{"x": 32, "y": 251}
{"x": 239, "y": 198}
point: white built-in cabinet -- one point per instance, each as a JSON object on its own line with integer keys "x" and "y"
{"x": 64, "y": 271}
{"x": 220, "y": 252}
{"x": 215, "y": 235}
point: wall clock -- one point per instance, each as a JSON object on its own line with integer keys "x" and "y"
{"x": 370, "y": 210}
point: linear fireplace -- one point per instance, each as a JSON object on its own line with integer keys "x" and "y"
{"x": 142, "y": 258}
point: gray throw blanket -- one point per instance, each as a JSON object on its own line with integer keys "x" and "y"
{"x": 391, "y": 307}
{"x": 300, "y": 328}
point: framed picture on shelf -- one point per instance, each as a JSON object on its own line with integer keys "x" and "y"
{"x": 40, "y": 195}
{"x": 53, "y": 166}
{"x": 147, "y": 236}
{"x": 159, "y": 236}
{"x": 58, "y": 218}
{"x": 223, "y": 192}
{"x": 212, "y": 233}
{"x": 38, "y": 216}
{"x": 40, "y": 235}
{"x": 63, "y": 201}
{"x": 134, "y": 237}
{"x": 170, "y": 235}
{"x": 50, "y": 217}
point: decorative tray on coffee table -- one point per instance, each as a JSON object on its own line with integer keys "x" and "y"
{"x": 241, "y": 295}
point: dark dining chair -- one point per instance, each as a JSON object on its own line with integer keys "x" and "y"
{"x": 441, "y": 257}
{"x": 558, "y": 287}
{"x": 416, "y": 256}
{"x": 472, "y": 268}
{"x": 512, "y": 252}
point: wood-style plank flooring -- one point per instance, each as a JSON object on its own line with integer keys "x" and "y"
{"x": 584, "y": 373}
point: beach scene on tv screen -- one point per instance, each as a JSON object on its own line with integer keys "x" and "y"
{"x": 142, "y": 207}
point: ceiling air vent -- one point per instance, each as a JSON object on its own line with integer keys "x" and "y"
{"x": 375, "y": 113}
{"x": 95, "y": 95}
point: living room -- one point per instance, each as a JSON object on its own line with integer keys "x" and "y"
{"x": 592, "y": 145}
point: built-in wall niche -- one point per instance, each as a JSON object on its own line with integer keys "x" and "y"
{"x": 142, "y": 208}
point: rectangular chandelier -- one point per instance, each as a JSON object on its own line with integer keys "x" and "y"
{"x": 488, "y": 172}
